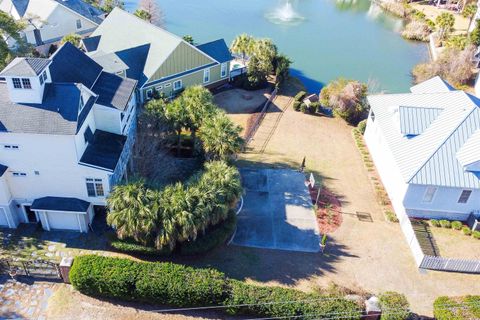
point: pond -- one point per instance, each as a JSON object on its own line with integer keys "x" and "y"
{"x": 326, "y": 39}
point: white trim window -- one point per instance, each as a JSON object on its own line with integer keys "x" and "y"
{"x": 429, "y": 194}
{"x": 19, "y": 174}
{"x": 223, "y": 70}
{"x": 79, "y": 24}
{"x": 149, "y": 94}
{"x": 464, "y": 196}
{"x": 26, "y": 83}
{"x": 17, "y": 83}
{"x": 177, "y": 85}
{"x": 206, "y": 75}
{"x": 94, "y": 187}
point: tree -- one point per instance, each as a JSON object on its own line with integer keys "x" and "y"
{"x": 469, "y": 12}
{"x": 188, "y": 38}
{"x": 265, "y": 51}
{"x": 347, "y": 98}
{"x": 444, "y": 22}
{"x": 129, "y": 211}
{"x": 256, "y": 75}
{"x": 220, "y": 137}
{"x": 243, "y": 45}
{"x": 475, "y": 34}
{"x": 174, "y": 113}
{"x": 109, "y": 5}
{"x": 9, "y": 28}
{"x": 282, "y": 69}
{"x": 73, "y": 38}
{"x": 150, "y": 11}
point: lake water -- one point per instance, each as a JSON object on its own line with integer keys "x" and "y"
{"x": 326, "y": 39}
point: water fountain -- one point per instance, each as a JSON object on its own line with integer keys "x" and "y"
{"x": 285, "y": 14}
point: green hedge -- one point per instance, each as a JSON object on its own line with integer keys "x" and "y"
{"x": 181, "y": 286}
{"x": 267, "y": 302}
{"x": 300, "y": 95}
{"x": 162, "y": 283}
{"x": 460, "y": 308}
{"x": 132, "y": 247}
{"x": 394, "y": 306}
{"x": 215, "y": 237}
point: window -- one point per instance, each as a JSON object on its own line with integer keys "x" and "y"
{"x": 223, "y": 70}
{"x": 79, "y": 24}
{"x": 41, "y": 80}
{"x": 159, "y": 88}
{"x": 94, "y": 187}
{"x": 10, "y": 146}
{"x": 16, "y": 83}
{"x": 372, "y": 116}
{"x": 26, "y": 83}
{"x": 177, "y": 85}
{"x": 3, "y": 80}
{"x": 37, "y": 173}
{"x": 206, "y": 75}
{"x": 429, "y": 194}
{"x": 464, "y": 196}
{"x": 149, "y": 94}
{"x": 19, "y": 174}
{"x": 167, "y": 85}
{"x": 88, "y": 135}
{"x": 44, "y": 75}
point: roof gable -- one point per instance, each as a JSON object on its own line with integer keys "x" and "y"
{"x": 217, "y": 49}
{"x": 70, "y": 65}
{"x": 433, "y": 85}
{"x": 25, "y": 67}
{"x": 415, "y": 120}
{"x": 21, "y": 6}
{"x": 121, "y": 32}
{"x": 469, "y": 153}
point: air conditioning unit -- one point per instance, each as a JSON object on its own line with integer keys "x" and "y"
{"x": 474, "y": 220}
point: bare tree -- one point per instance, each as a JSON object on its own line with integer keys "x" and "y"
{"x": 155, "y": 14}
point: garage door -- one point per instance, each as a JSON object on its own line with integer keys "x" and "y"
{"x": 63, "y": 220}
{"x": 3, "y": 218}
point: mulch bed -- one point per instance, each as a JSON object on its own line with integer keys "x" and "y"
{"x": 329, "y": 212}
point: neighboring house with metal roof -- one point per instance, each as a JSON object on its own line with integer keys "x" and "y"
{"x": 426, "y": 147}
{"x": 156, "y": 58}
{"x": 67, "y": 128}
{"x": 48, "y": 21}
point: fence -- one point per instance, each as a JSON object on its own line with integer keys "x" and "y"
{"x": 251, "y": 132}
{"x": 32, "y": 268}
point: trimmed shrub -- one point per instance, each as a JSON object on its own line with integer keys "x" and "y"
{"x": 303, "y": 107}
{"x": 267, "y": 302}
{"x": 394, "y": 306}
{"x": 476, "y": 234}
{"x": 163, "y": 283}
{"x": 132, "y": 247}
{"x": 296, "y": 105}
{"x": 212, "y": 238}
{"x": 435, "y": 223}
{"x": 466, "y": 231}
{"x": 361, "y": 126}
{"x": 458, "y": 308}
{"x": 300, "y": 95}
{"x": 445, "y": 224}
{"x": 457, "y": 225}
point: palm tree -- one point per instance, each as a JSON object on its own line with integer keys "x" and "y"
{"x": 243, "y": 45}
{"x": 129, "y": 211}
{"x": 176, "y": 116}
{"x": 265, "y": 51}
{"x": 469, "y": 12}
{"x": 220, "y": 137}
{"x": 445, "y": 23}
{"x": 282, "y": 69}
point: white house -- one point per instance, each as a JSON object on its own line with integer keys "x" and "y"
{"x": 426, "y": 147}
{"x": 48, "y": 21}
{"x": 66, "y": 132}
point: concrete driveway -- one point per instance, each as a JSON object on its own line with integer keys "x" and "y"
{"x": 277, "y": 212}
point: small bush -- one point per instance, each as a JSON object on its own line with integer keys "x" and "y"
{"x": 445, "y": 224}
{"x": 132, "y": 247}
{"x": 267, "y": 302}
{"x": 213, "y": 238}
{"x": 391, "y": 216}
{"x": 435, "y": 223}
{"x": 300, "y": 95}
{"x": 362, "y": 125}
{"x": 316, "y": 106}
{"x": 476, "y": 234}
{"x": 303, "y": 107}
{"x": 395, "y": 306}
{"x": 457, "y": 225}
{"x": 296, "y": 105}
{"x": 466, "y": 231}
{"x": 458, "y": 308}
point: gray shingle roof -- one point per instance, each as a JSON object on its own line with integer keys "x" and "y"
{"x": 84, "y": 9}
{"x": 104, "y": 151}
{"x": 25, "y": 67}
{"x": 217, "y": 49}
{"x": 71, "y": 65}
{"x": 109, "y": 61}
{"x": 60, "y": 204}
{"x": 114, "y": 91}
{"x": 58, "y": 114}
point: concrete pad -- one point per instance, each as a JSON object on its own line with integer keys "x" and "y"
{"x": 277, "y": 212}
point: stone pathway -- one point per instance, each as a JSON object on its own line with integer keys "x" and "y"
{"x": 19, "y": 300}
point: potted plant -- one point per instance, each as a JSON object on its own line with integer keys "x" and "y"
{"x": 323, "y": 243}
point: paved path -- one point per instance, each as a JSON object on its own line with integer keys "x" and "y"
{"x": 277, "y": 212}
{"x": 19, "y": 300}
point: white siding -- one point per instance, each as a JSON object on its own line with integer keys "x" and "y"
{"x": 107, "y": 119}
